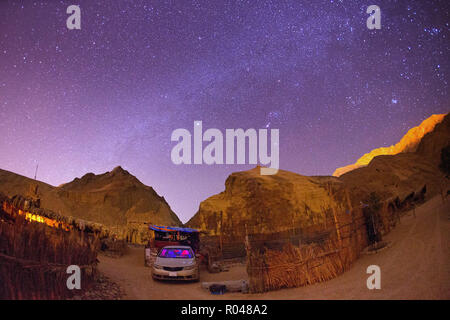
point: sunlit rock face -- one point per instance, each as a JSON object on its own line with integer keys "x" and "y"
{"x": 116, "y": 199}
{"x": 399, "y": 175}
{"x": 255, "y": 203}
{"x": 432, "y": 143}
{"x": 408, "y": 143}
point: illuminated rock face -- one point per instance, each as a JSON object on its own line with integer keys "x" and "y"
{"x": 408, "y": 143}
{"x": 392, "y": 176}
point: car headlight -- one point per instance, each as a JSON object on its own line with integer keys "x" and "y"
{"x": 190, "y": 267}
{"x": 156, "y": 266}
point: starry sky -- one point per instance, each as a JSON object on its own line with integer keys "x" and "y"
{"x": 78, "y": 101}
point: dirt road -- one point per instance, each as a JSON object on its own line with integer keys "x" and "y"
{"x": 416, "y": 266}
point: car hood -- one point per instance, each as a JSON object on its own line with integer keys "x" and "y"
{"x": 174, "y": 262}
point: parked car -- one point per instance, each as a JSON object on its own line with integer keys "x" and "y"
{"x": 176, "y": 263}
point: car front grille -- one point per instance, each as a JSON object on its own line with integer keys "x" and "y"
{"x": 173, "y": 268}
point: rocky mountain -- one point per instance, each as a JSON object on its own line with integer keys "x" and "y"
{"x": 116, "y": 199}
{"x": 256, "y": 203}
{"x": 433, "y": 142}
{"x": 401, "y": 174}
{"x": 408, "y": 143}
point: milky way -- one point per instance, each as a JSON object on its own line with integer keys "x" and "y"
{"x": 78, "y": 101}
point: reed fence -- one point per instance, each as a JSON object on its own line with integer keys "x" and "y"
{"x": 34, "y": 258}
{"x": 302, "y": 260}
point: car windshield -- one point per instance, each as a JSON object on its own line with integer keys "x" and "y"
{"x": 182, "y": 253}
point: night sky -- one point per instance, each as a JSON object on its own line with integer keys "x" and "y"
{"x": 78, "y": 101}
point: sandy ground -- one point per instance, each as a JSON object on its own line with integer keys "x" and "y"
{"x": 416, "y": 266}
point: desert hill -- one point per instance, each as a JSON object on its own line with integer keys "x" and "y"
{"x": 393, "y": 176}
{"x": 115, "y": 199}
{"x": 14, "y": 184}
{"x": 408, "y": 143}
{"x": 398, "y": 175}
{"x": 270, "y": 203}
{"x": 433, "y": 142}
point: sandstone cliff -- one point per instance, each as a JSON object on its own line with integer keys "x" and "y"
{"x": 399, "y": 175}
{"x": 266, "y": 204}
{"x": 408, "y": 143}
{"x": 433, "y": 142}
